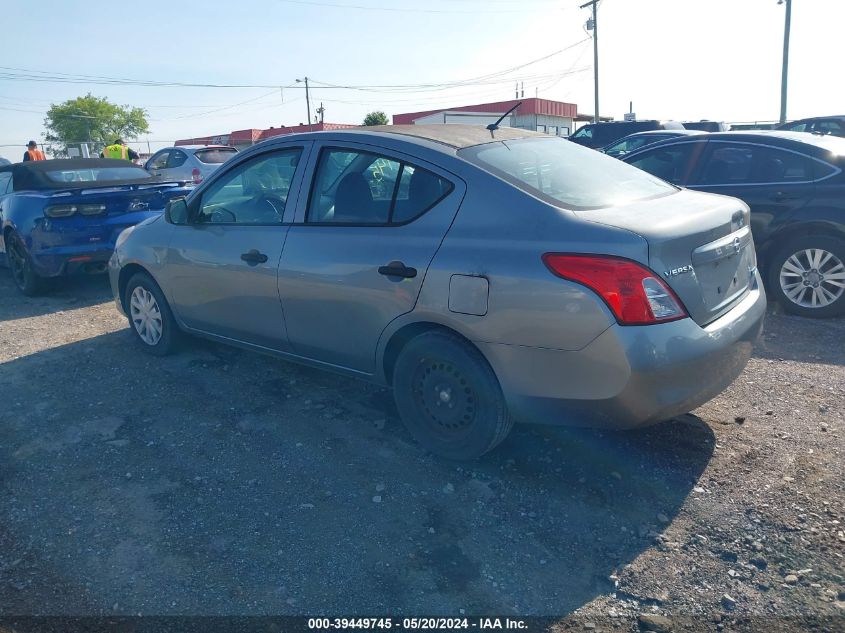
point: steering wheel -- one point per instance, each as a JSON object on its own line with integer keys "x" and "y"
{"x": 271, "y": 205}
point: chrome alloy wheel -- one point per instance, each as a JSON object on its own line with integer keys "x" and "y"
{"x": 146, "y": 315}
{"x": 813, "y": 278}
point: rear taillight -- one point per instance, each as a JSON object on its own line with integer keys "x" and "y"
{"x": 197, "y": 176}
{"x": 635, "y": 294}
{"x": 67, "y": 210}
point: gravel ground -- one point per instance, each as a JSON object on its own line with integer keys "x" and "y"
{"x": 218, "y": 481}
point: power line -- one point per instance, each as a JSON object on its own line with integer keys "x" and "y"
{"x": 335, "y": 5}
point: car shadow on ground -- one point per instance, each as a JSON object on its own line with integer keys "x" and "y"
{"x": 218, "y": 481}
{"x": 64, "y": 293}
{"x": 820, "y": 340}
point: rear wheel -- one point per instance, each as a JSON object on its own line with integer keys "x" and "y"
{"x": 448, "y": 396}
{"x": 807, "y": 275}
{"x": 150, "y": 318}
{"x": 20, "y": 264}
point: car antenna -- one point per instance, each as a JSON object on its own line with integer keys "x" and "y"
{"x": 495, "y": 126}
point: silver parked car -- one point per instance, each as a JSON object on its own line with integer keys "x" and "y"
{"x": 487, "y": 276}
{"x": 188, "y": 162}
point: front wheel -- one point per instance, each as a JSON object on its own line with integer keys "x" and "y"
{"x": 448, "y": 396}
{"x": 150, "y": 318}
{"x": 26, "y": 279}
{"x": 807, "y": 275}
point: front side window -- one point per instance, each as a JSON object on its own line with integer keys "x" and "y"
{"x": 565, "y": 173}
{"x": 353, "y": 187}
{"x": 670, "y": 162}
{"x": 830, "y": 126}
{"x": 159, "y": 161}
{"x": 177, "y": 159}
{"x": 254, "y": 192}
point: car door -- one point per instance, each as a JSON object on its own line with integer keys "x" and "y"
{"x": 158, "y": 162}
{"x": 358, "y": 252}
{"x": 673, "y": 162}
{"x": 773, "y": 181}
{"x": 174, "y": 169}
{"x": 222, "y": 266}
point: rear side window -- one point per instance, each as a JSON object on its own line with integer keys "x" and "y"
{"x": 368, "y": 189}
{"x": 669, "y": 162}
{"x": 216, "y": 155}
{"x": 565, "y": 173}
{"x": 738, "y": 164}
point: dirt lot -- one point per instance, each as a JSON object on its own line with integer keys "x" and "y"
{"x": 218, "y": 481}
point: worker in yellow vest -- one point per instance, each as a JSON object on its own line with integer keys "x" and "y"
{"x": 120, "y": 151}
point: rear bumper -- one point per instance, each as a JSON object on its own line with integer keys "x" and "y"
{"x": 65, "y": 247}
{"x": 630, "y": 376}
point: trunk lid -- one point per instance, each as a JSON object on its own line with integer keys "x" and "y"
{"x": 699, "y": 244}
{"x": 121, "y": 199}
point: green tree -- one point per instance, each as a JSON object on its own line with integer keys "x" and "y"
{"x": 94, "y": 119}
{"x": 376, "y": 118}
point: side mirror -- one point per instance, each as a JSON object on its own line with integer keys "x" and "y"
{"x": 176, "y": 211}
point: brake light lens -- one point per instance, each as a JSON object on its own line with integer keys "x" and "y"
{"x": 635, "y": 294}
{"x": 196, "y": 175}
{"x": 67, "y": 210}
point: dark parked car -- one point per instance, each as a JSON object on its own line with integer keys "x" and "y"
{"x": 59, "y": 217}
{"x": 487, "y": 276}
{"x": 596, "y": 135}
{"x": 706, "y": 126}
{"x": 636, "y": 141}
{"x": 795, "y": 186}
{"x": 834, "y": 125}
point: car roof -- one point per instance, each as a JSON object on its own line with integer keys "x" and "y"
{"x": 195, "y": 148}
{"x": 455, "y": 136}
{"x": 32, "y": 174}
{"x": 665, "y": 132}
{"x": 819, "y": 143}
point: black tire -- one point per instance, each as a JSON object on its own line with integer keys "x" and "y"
{"x": 27, "y": 281}
{"x": 143, "y": 331}
{"x": 792, "y": 256}
{"x": 448, "y": 396}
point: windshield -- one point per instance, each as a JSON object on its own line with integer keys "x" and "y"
{"x": 215, "y": 155}
{"x": 98, "y": 174}
{"x": 565, "y": 173}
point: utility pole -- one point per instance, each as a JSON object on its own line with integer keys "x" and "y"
{"x": 321, "y": 111}
{"x": 785, "y": 71}
{"x": 307, "y": 100}
{"x": 595, "y": 24}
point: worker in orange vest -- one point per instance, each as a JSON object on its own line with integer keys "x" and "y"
{"x": 33, "y": 153}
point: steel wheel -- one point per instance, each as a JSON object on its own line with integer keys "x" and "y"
{"x": 145, "y": 315}
{"x": 812, "y": 278}
{"x": 443, "y": 393}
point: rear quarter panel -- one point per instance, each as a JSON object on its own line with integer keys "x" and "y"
{"x": 500, "y": 233}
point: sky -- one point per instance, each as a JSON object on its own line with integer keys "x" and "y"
{"x": 674, "y": 59}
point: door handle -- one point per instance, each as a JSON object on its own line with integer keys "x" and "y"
{"x": 253, "y": 257}
{"x": 780, "y": 196}
{"x": 397, "y": 269}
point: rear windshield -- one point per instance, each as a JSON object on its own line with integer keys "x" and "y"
{"x": 98, "y": 174}
{"x": 565, "y": 173}
{"x": 216, "y": 155}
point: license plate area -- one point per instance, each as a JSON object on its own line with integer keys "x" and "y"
{"x": 724, "y": 268}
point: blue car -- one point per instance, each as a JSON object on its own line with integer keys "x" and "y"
{"x": 60, "y": 217}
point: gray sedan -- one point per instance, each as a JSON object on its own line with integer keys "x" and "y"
{"x": 188, "y": 162}
{"x": 487, "y": 276}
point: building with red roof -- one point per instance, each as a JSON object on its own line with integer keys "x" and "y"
{"x": 245, "y": 138}
{"x": 543, "y": 115}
